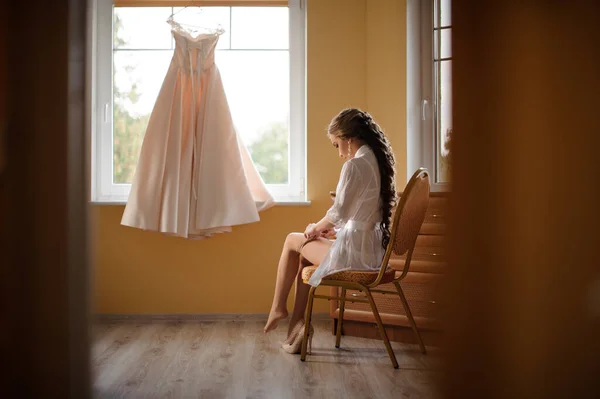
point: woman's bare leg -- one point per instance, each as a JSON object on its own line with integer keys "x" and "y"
{"x": 286, "y": 272}
{"x": 313, "y": 252}
{"x": 300, "y": 299}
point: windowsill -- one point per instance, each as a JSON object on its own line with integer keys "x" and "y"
{"x": 292, "y": 203}
{"x": 442, "y": 188}
{"x": 277, "y": 203}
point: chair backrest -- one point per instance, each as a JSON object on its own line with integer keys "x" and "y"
{"x": 410, "y": 213}
{"x": 408, "y": 219}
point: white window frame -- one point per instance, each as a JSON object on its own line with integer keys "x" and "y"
{"x": 422, "y": 138}
{"x": 101, "y": 59}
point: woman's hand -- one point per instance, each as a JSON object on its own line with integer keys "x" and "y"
{"x": 329, "y": 233}
{"x": 311, "y": 231}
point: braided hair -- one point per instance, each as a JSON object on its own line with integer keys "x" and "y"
{"x": 353, "y": 123}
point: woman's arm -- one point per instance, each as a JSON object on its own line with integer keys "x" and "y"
{"x": 347, "y": 191}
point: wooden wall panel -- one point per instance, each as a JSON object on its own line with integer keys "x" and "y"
{"x": 43, "y": 207}
{"x": 523, "y": 303}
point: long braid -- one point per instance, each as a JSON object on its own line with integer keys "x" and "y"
{"x": 382, "y": 149}
{"x": 354, "y": 123}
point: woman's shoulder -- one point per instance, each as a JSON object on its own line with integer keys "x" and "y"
{"x": 365, "y": 165}
{"x": 361, "y": 162}
{"x": 352, "y": 165}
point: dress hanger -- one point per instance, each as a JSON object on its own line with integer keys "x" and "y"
{"x": 195, "y": 28}
{"x": 171, "y": 19}
{"x": 192, "y": 5}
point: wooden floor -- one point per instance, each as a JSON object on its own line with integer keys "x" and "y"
{"x": 234, "y": 359}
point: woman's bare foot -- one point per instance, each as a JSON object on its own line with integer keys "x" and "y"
{"x": 274, "y": 317}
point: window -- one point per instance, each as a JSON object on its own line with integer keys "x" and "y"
{"x": 429, "y": 68}
{"x": 262, "y": 63}
{"x": 442, "y": 78}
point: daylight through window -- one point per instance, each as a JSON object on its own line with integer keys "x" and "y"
{"x": 254, "y": 56}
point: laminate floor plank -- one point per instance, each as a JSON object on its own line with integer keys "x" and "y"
{"x": 124, "y": 357}
{"x": 103, "y": 336}
{"x": 153, "y": 361}
{"x": 235, "y": 359}
{"x": 186, "y": 365}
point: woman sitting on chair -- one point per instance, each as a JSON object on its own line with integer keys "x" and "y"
{"x": 362, "y": 208}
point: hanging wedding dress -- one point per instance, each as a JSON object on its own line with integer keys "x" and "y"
{"x": 194, "y": 177}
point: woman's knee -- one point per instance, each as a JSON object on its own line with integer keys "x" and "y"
{"x": 294, "y": 241}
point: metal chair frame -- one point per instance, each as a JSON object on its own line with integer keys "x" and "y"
{"x": 368, "y": 289}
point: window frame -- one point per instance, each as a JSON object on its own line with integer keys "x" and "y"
{"x": 103, "y": 190}
{"x": 422, "y": 94}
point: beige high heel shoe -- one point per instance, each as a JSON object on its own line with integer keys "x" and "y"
{"x": 293, "y": 333}
{"x": 296, "y": 344}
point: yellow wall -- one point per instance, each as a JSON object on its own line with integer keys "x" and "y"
{"x": 355, "y": 57}
{"x": 386, "y": 74}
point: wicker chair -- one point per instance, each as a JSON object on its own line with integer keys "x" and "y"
{"x": 408, "y": 218}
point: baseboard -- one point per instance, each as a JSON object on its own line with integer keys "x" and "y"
{"x": 187, "y": 317}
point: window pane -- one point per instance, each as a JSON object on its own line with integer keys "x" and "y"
{"x": 206, "y": 17}
{"x": 444, "y": 121}
{"x": 442, "y": 13}
{"x": 257, "y": 86}
{"x": 446, "y": 37}
{"x": 138, "y": 76}
{"x": 141, "y": 28}
{"x": 256, "y": 82}
{"x": 446, "y": 12}
{"x": 446, "y": 43}
{"x": 260, "y": 27}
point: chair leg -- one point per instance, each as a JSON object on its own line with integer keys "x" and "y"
{"x": 382, "y": 331}
{"x": 307, "y": 317}
{"x": 338, "y": 334}
{"x": 410, "y": 317}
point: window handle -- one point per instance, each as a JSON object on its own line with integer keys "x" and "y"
{"x": 424, "y": 105}
{"x": 106, "y": 109}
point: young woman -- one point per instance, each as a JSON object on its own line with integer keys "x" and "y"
{"x": 365, "y": 196}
